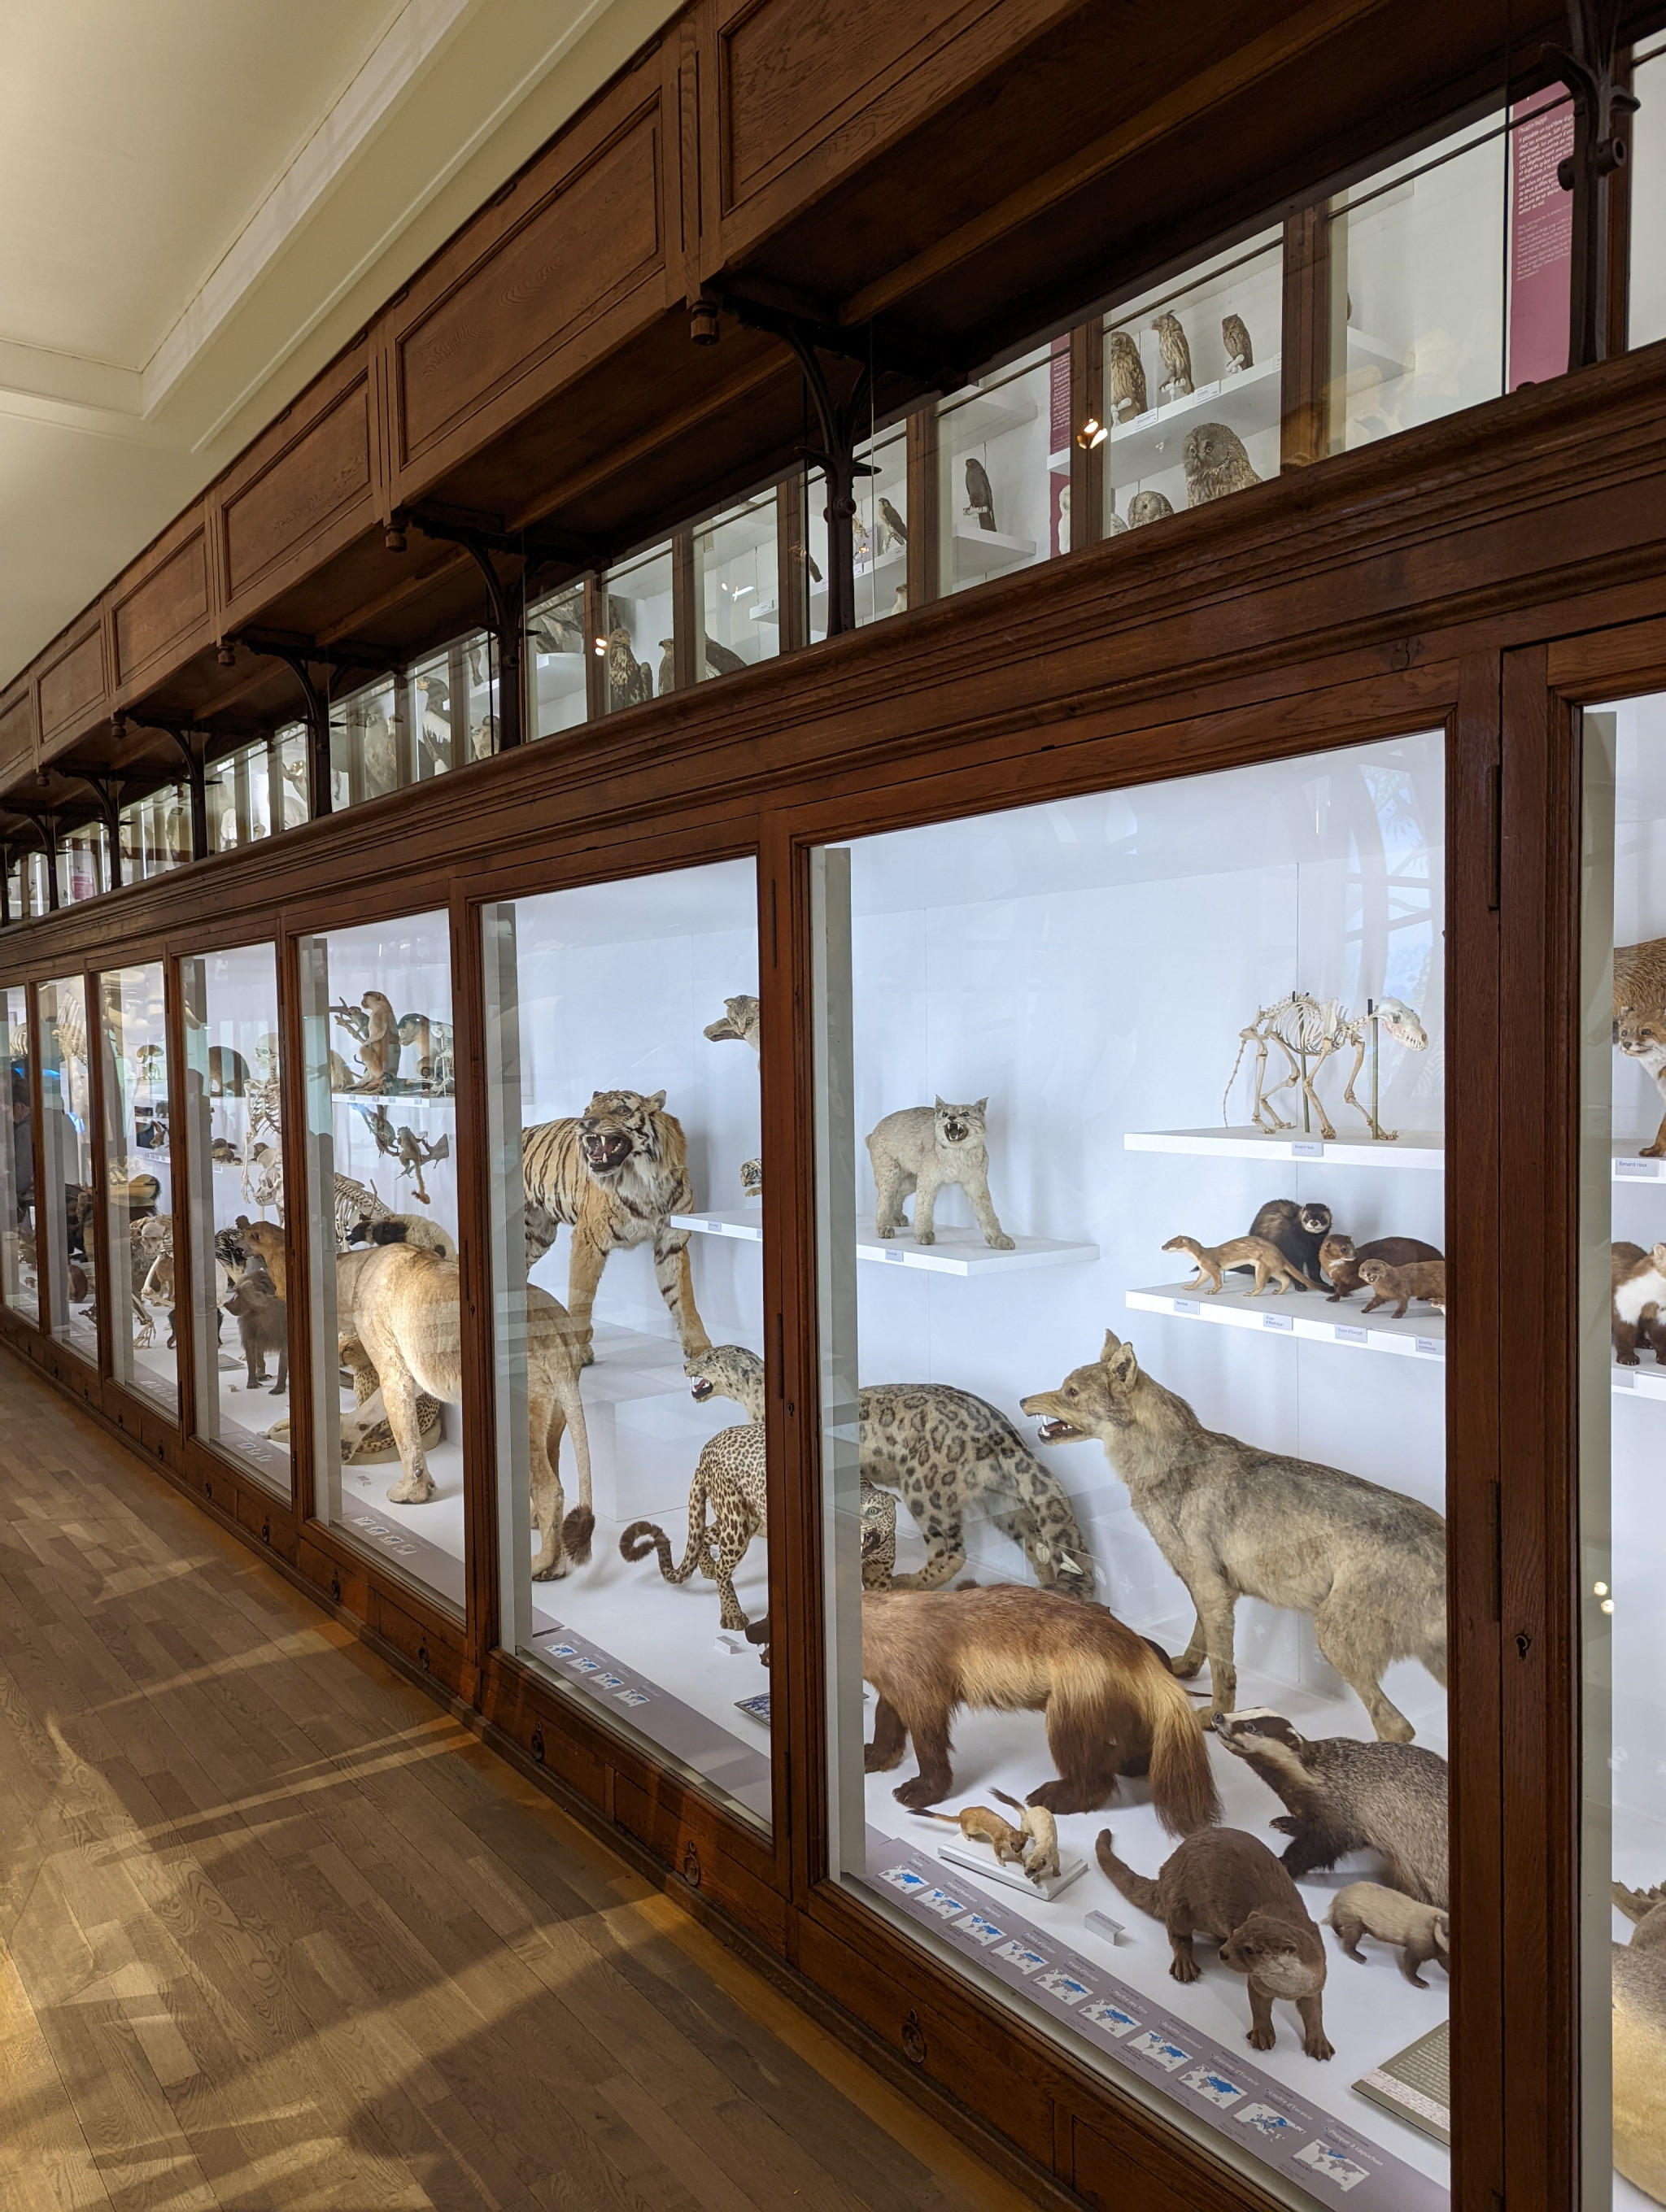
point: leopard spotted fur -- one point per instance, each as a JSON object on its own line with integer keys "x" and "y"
{"x": 731, "y": 1477}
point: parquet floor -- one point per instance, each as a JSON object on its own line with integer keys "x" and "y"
{"x": 274, "y": 1932}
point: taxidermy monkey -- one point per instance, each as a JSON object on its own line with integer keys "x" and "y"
{"x": 979, "y": 1826}
{"x": 1341, "y": 1259}
{"x": 1215, "y": 464}
{"x": 1176, "y": 356}
{"x": 1227, "y": 1885}
{"x": 1423, "y": 1278}
{"x": 1042, "y": 1833}
{"x": 1147, "y": 507}
{"x": 896, "y": 531}
{"x": 921, "y": 1149}
{"x": 1420, "y": 1932}
{"x": 979, "y": 498}
{"x": 1235, "y": 339}
{"x": 263, "y": 1324}
{"x": 1299, "y": 1232}
{"x": 1268, "y": 1263}
{"x": 1639, "y": 1292}
{"x": 1124, "y": 378}
{"x": 379, "y": 1056}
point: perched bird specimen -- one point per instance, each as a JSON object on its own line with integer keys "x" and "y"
{"x": 1147, "y": 507}
{"x": 1234, "y": 337}
{"x": 979, "y": 498}
{"x": 1176, "y": 356}
{"x": 896, "y": 531}
{"x": 1115, "y": 526}
{"x": 629, "y": 683}
{"x": 723, "y": 659}
{"x": 1125, "y": 377}
{"x": 667, "y": 666}
{"x": 1215, "y": 464}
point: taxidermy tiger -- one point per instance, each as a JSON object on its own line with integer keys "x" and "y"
{"x": 942, "y": 1450}
{"x": 616, "y": 1173}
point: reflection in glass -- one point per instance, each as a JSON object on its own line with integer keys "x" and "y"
{"x": 736, "y": 578}
{"x": 65, "y": 1182}
{"x": 556, "y": 645}
{"x": 138, "y": 1179}
{"x": 622, "y": 1040}
{"x": 238, "y": 1273}
{"x": 20, "y": 1284}
{"x": 381, "y": 1194}
{"x": 156, "y": 834}
{"x": 1004, "y": 462}
{"x": 239, "y": 790}
{"x": 1025, "y": 1025}
{"x": 638, "y": 645}
{"x": 453, "y": 706}
{"x": 83, "y": 865}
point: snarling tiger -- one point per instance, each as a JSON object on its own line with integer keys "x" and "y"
{"x": 616, "y": 1173}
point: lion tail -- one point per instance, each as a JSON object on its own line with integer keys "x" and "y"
{"x": 1182, "y": 1786}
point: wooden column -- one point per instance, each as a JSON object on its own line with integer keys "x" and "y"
{"x": 1087, "y": 467}
{"x": 1309, "y": 339}
{"x": 793, "y": 561}
{"x": 595, "y": 635}
{"x": 924, "y": 507}
{"x": 688, "y": 615}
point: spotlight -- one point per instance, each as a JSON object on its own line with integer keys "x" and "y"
{"x": 601, "y": 649}
{"x": 1092, "y": 433}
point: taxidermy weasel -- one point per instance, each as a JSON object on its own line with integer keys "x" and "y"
{"x": 1041, "y": 1833}
{"x": 379, "y": 1056}
{"x": 979, "y": 1826}
{"x": 922, "y": 1148}
{"x": 1341, "y": 1259}
{"x": 1639, "y": 1292}
{"x": 1297, "y": 1230}
{"x": 1420, "y": 1932}
{"x": 1419, "y": 1279}
{"x": 1266, "y": 1260}
{"x": 1111, "y": 1705}
{"x": 1226, "y": 1884}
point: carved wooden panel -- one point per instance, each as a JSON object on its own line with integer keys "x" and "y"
{"x": 576, "y": 253}
{"x": 169, "y": 600}
{"x": 72, "y": 682}
{"x": 16, "y": 735}
{"x": 308, "y": 482}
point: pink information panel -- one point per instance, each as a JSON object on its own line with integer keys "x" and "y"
{"x": 1541, "y": 238}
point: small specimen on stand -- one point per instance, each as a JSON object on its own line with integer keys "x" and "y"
{"x": 1124, "y": 378}
{"x": 1234, "y": 341}
{"x": 1265, "y": 1261}
{"x": 922, "y": 1148}
{"x": 1215, "y": 462}
{"x": 1176, "y": 356}
{"x": 978, "y": 1825}
{"x": 1303, "y": 1027}
{"x": 979, "y": 498}
{"x": 1041, "y": 1835}
{"x": 1147, "y": 507}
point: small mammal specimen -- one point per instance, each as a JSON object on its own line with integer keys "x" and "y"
{"x": 1042, "y": 1834}
{"x": 262, "y": 1241}
{"x": 1420, "y": 1932}
{"x": 945, "y": 1453}
{"x": 922, "y": 1148}
{"x": 405, "y": 1229}
{"x": 1223, "y": 1883}
{"x": 379, "y": 1054}
{"x": 1112, "y": 1706}
{"x": 1342, "y": 1260}
{"x": 1368, "y": 1563}
{"x": 1299, "y": 1232}
{"x": 1304, "y": 1029}
{"x": 1419, "y": 1278}
{"x": 1268, "y": 1263}
{"x": 740, "y": 1024}
{"x": 1345, "y": 1795}
{"x": 263, "y": 1324}
{"x": 731, "y": 1477}
{"x": 1639, "y": 2041}
{"x": 979, "y": 1826}
{"x": 1639, "y": 1292}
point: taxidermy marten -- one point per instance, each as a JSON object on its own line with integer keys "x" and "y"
{"x": 1112, "y": 1707}
{"x": 1419, "y": 1932}
{"x": 1229, "y": 1886}
{"x": 1297, "y": 1230}
{"x": 1639, "y": 1292}
{"x": 1345, "y": 1796}
{"x": 1419, "y": 1279}
{"x": 1341, "y": 1258}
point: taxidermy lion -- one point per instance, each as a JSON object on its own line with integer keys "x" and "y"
{"x": 1368, "y": 1563}
{"x": 616, "y": 1173}
{"x": 401, "y": 1303}
{"x": 919, "y": 1149}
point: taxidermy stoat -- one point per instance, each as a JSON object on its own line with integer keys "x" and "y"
{"x": 1266, "y": 1261}
{"x": 979, "y": 1826}
{"x": 1639, "y": 1292}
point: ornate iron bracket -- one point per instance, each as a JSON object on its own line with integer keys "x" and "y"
{"x": 301, "y": 655}
{"x": 1586, "y": 66}
{"x": 107, "y": 784}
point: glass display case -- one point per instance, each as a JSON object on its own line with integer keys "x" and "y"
{"x": 1003, "y": 454}
{"x": 1646, "y": 183}
{"x": 381, "y": 1193}
{"x": 83, "y": 865}
{"x": 454, "y": 706}
{"x": 138, "y": 1182}
{"x": 621, "y": 1048}
{"x": 154, "y": 833}
{"x": 557, "y": 661}
{"x": 65, "y": 1181}
{"x": 638, "y": 640}
{"x": 244, "y": 797}
{"x": 234, "y": 1152}
{"x": 20, "y": 1287}
{"x": 736, "y": 580}
{"x": 1130, "y": 1140}
{"x": 1193, "y": 388}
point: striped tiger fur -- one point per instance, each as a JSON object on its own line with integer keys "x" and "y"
{"x": 615, "y": 1174}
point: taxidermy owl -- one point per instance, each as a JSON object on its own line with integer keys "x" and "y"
{"x": 667, "y": 666}
{"x": 1124, "y": 378}
{"x": 629, "y": 683}
{"x": 1147, "y": 507}
{"x": 980, "y": 499}
{"x": 1176, "y": 356}
{"x": 1064, "y": 520}
{"x": 895, "y": 530}
{"x": 1215, "y": 464}
{"x": 1234, "y": 337}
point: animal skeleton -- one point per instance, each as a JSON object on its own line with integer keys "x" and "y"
{"x": 1301, "y": 1027}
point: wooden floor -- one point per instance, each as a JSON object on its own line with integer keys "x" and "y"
{"x": 275, "y": 1933}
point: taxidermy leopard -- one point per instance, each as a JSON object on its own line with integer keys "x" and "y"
{"x": 943, "y": 1451}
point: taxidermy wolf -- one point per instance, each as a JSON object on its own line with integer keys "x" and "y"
{"x": 1368, "y": 1563}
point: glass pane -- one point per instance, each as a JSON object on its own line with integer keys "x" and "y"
{"x": 66, "y": 1177}
{"x": 139, "y": 1182}
{"x": 649, "y": 986}
{"x": 1648, "y": 212}
{"x": 882, "y": 527}
{"x": 19, "y": 1279}
{"x": 239, "y": 788}
{"x": 381, "y": 1190}
{"x": 1192, "y": 388}
{"x": 156, "y": 834}
{"x": 554, "y": 639}
{"x": 736, "y": 579}
{"x": 639, "y": 658}
{"x": 291, "y": 742}
{"x": 240, "y": 1276}
{"x": 1028, "y": 1184}
{"x": 1002, "y": 468}
{"x": 83, "y": 871}
{"x": 370, "y": 744}
{"x": 1622, "y": 1404}
{"x": 462, "y": 678}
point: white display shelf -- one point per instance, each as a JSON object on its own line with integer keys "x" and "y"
{"x": 1420, "y": 1334}
{"x": 1646, "y": 1380}
{"x": 392, "y": 1098}
{"x": 989, "y": 414}
{"x": 987, "y": 552}
{"x": 1629, "y": 1167}
{"x": 957, "y": 1251}
{"x": 1412, "y": 1148}
{"x": 1248, "y": 403}
{"x": 885, "y": 574}
{"x": 560, "y": 675}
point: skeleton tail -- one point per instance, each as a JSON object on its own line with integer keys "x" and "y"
{"x": 1225, "y": 1095}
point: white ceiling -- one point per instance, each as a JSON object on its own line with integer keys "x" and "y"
{"x": 200, "y": 201}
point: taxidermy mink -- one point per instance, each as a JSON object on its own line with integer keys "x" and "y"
{"x": 1297, "y": 1230}
{"x": 1223, "y": 1883}
{"x": 1345, "y": 1796}
{"x": 1340, "y": 1257}
{"x": 1111, "y": 1707}
{"x": 263, "y": 1323}
{"x": 1639, "y": 1292}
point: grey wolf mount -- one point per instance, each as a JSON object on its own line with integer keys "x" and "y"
{"x": 1344, "y": 1795}
{"x": 1111, "y": 1703}
{"x": 921, "y": 1149}
{"x": 1229, "y": 1886}
{"x": 1305, "y": 1029}
{"x": 1419, "y": 1932}
{"x": 944, "y": 1452}
{"x": 1366, "y": 1563}
{"x": 1639, "y": 2041}
{"x": 1638, "y": 1293}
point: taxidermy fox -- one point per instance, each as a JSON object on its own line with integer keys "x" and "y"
{"x": 1112, "y": 1704}
{"x": 1368, "y": 1563}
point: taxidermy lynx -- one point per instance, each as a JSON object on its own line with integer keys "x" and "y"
{"x": 920, "y": 1149}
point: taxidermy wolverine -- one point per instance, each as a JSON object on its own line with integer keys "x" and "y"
{"x": 1124, "y": 378}
{"x": 1176, "y": 356}
{"x": 979, "y": 498}
{"x": 1215, "y": 464}
{"x": 1112, "y": 1703}
{"x": 1234, "y": 337}
{"x": 1147, "y": 507}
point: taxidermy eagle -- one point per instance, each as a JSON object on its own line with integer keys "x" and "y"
{"x": 979, "y": 498}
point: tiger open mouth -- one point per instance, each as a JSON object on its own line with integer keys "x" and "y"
{"x": 606, "y": 1150}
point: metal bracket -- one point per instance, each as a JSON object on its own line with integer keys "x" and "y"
{"x": 1586, "y": 66}
{"x": 300, "y": 655}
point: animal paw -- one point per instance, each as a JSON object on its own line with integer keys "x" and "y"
{"x": 1002, "y": 1243}
{"x": 415, "y": 1490}
{"x": 885, "y": 1232}
{"x": 558, "y": 1566}
{"x": 921, "y": 1793}
{"x": 1627, "y": 1358}
{"x": 1183, "y": 1967}
{"x": 925, "y": 1237}
{"x": 875, "y": 1761}
{"x": 1316, "y": 2046}
{"x": 1263, "y": 2038}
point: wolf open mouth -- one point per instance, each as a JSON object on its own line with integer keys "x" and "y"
{"x": 1056, "y": 1432}
{"x": 605, "y": 1153}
